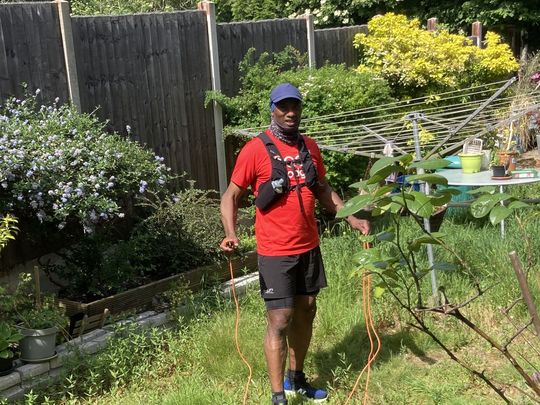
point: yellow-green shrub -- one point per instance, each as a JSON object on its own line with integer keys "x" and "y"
{"x": 415, "y": 60}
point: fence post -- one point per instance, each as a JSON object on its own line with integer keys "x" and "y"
{"x": 312, "y": 61}
{"x": 210, "y": 10}
{"x": 432, "y": 24}
{"x": 69, "y": 52}
{"x": 476, "y": 33}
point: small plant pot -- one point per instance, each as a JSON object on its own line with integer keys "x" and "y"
{"x": 498, "y": 171}
{"x": 508, "y": 159}
{"x": 470, "y": 162}
{"x": 38, "y": 344}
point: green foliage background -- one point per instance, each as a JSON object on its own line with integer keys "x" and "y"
{"x": 326, "y": 90}
{"x": 417, "y": 62}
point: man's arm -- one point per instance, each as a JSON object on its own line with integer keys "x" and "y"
{"x": 229, "y": 212}
{"x": 330, "y": 200}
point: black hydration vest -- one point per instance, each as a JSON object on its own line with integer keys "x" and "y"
{"x": 278, "y": 185}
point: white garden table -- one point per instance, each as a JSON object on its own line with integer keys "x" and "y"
{"x": 456, "y": 177}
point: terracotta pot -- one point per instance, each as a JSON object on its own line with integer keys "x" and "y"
{"x": 508, "y": 159}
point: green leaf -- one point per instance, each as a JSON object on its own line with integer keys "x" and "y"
{"x": 428, "y": 178}
{"x": 382, "y": 264}
{"x": 498, "y": 214}
{"x": 406, "y": 159}
{"x": 386, "y": 236}
{"x": 438, "y": 200}
{"x": 517, "y": 205}
{"x": 484, "y": 204}
{"x": 354, "y": 205}
{"x": 383, "y": 190}
{"x": 366, "y": 257}
{"x": 431, "y": 164}
{"x": 382, "y": 165}
{"x": 421, "y": 205}
{"x": 425, "y": 239}
{"x": 378, "y": 291}
{"x": 360, "y": 184}
{"x": 483, "y": 189}
{"x": 382, "y": 174}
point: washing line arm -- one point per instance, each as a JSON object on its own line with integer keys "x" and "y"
{"x": 470, "y": 117}
{"x": 430, "y": 121}
{"x": 381, "y": 138}
{"x": 502, "y": 123}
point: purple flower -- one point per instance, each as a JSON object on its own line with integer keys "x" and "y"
{"x": 143, "y": 186}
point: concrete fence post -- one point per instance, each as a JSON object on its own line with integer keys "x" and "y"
{"x": 312, "y": 61}
{"x": 69, "y": 52}
{"x": 210, "y": 10}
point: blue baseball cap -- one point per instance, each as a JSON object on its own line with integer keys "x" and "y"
{"x": 283, "y": 91}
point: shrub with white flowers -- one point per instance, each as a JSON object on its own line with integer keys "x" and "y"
{"x": 60, "y": 166}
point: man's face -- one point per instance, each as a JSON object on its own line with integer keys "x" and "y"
{"x": 288, "y": 113}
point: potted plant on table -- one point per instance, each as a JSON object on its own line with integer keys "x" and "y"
{"x": 498, "y": 168}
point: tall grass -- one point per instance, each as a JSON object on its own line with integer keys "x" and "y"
{"x": 199, "y": 363}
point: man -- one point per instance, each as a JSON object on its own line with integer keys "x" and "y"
{"x": 286, "y": 173}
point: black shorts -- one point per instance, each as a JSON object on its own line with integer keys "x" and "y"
{"x": 283, "y": 277}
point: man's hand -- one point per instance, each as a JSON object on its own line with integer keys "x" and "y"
{"x": 360, "y": 224}
{"x": 229, "y": 244}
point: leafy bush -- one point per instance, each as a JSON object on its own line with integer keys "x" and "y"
{"x": 96, "y": 7}
{"x": 7, "y": 230}
{"x": 130, "y": 356}
{"x": 183, "y": 232}
{"x": 20, "y": 306}
{"x": 326, "y": 90}
{"x": 414, "y": 60}
{"x": 60, "y": 166}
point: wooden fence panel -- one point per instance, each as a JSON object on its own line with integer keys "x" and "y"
{"x": 234, "y": 40}
{"x": 31, "y": 51}
{"x": 335, "y": 45}
{"x": 150, "y": 72}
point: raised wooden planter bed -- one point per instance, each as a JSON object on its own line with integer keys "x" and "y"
{"x": 142, "y": 296}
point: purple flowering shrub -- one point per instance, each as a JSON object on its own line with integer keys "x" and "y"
{"x": 60, "y": 166}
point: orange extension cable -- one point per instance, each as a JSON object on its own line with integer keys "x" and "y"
{"x": 370, "y": 327}
{"x": 236, "y": 324}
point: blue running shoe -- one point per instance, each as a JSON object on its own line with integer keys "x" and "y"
{"x": 302, "y": 387}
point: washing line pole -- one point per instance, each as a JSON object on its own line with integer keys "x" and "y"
{"x": 414, "y": 118}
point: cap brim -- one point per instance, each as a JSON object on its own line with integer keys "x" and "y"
{"x": 280, "y": 98}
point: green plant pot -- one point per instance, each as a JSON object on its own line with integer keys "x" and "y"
{"x": 470, "y": 162}
{"x": 38, "y": 344}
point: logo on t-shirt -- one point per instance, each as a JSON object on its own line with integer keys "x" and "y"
{"x": 294, "y": 170}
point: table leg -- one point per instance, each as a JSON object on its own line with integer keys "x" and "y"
{"x": 501, "y": 190}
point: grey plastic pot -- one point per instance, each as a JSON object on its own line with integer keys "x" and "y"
{"x": 38, "y": 344}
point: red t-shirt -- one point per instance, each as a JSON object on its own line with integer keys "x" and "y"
{"x": 283, "y": 229}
